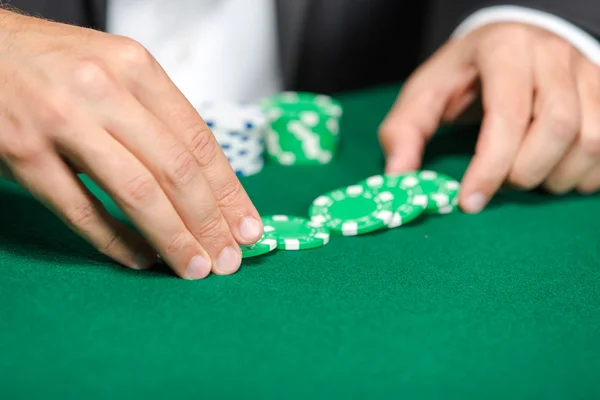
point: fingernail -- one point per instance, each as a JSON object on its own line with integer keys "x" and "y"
{"x": 475, "y": 203}
{"x": 250, "y": 229}
{"x": 198, "y": 268}
{"x": 144, "y": 260}
{"x": 229, "y": 261}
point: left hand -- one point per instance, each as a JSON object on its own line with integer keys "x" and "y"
{"x": 541, "y": 104}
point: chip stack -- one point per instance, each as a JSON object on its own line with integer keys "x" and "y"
{"x": 303, "y": 128}
{"x": 385, "y": 202}
{"x": 239, "y": 130}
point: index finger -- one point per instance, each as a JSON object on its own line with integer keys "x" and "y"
{"x": 422, "y": 103}
{"x": 163, "y": 99}
{"x": 505, "y": 70}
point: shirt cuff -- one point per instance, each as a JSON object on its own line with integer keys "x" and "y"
{"x": 578, "y": 38}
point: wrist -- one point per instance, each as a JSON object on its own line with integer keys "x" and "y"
{"x": 577, "y": 37}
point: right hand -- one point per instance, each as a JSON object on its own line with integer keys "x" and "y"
{"x": 78, "y": 100}
{"x": 539, "y": 96}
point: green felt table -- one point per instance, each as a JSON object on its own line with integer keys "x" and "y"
{"x": 501, "y": 304}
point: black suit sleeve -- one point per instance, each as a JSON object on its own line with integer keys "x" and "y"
{"x": 445, "y": 15}
{"x": 86, "y": 13}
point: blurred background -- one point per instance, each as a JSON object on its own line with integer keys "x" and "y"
{"x": 383, "y": 43}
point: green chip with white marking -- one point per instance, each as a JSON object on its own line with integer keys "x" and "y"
{"x": 353, "y": 210}
{"x": 265, "y": 245}
{"x": 441, "y": 189}
{"x": 303, "y": 128}
{"x": 409, "y": 199}
{"x": 296, "y": 233}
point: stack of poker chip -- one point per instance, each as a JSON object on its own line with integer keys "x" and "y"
{"x": 385, "y": 202}
{"x": 303, "y": 128}
{"x": 239, "y": 130}
{"x": 379, "y": 202}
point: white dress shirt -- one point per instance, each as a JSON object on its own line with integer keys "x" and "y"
{"x": 211, "y": 49}
{"x": 227, "y": 49}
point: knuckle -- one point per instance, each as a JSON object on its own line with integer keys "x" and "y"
{"x": 81, "y": 216}
{"x": 211, "y": 226}
{"x": 593, "y": 74}
{"x": 431, "y": 94}
{"x": 385, "y": 135}
{"x": 21, "y": 147}
{"x": 517, "y": 119}
{"x": 139, "y": 190}
{"x": 132, "y": 55}
{"x": 557, "y": 46}
{"x": 176, "y": 244}
{"x": 522, "y": 180}
{"x": 54, "y": 112}
{"x": 204, "y": 146}
{"x": 590, "y": 73}
{"x": 114, "y": 242}
{"x": 590, "y": 144}
{"x": 591, "y": 88}
{"x": 590, "y": 98}
{"x": 563, "y": 122}
{"x": 514, "y": 119}
{"x": 92, "y": 78}
{"x": 565, "y": 87}
{"x": 391, "y": 128}
{"x": 229, "y": 194}
{"x": 181, "y": 168}
{"x": 517, "y": 32}
{"x": 384, "y": 130}
{"x": 398, "y": 123}
{"x": 520, "y": 115}
{"x": 500, "y": 38}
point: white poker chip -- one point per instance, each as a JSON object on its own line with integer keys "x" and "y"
{"x": 239, "y": 129}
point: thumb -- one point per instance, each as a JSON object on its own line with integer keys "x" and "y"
{"x": 418, "y": 110}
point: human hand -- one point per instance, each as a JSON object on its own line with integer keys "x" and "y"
{"x": 540, "y": 99}
{"x": 74, "y": 99}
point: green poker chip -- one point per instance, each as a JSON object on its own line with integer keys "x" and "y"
{"x": 353, "y": 210}
{"x": 441, "y": 190}
{"x": 295, "y": 233}
{"x": 303, "y": 128}
{"x": 409, "y": 199}
{"x": 264, "y": 245}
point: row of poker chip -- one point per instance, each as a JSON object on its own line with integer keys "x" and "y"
{"x": 385, "y": 201}
{"x": 378, "y": 202}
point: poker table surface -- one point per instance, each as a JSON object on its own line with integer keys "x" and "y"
{"x": 502, "y": 304}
